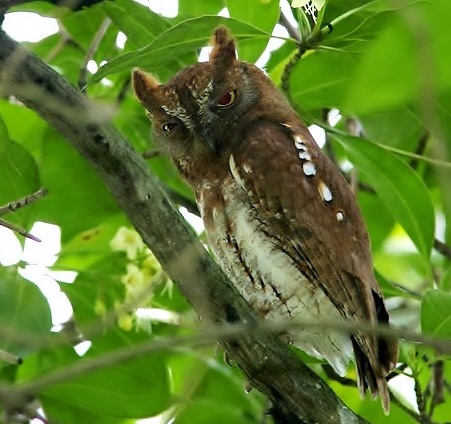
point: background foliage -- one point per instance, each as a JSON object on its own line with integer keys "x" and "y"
{"x": 384, "y": 68}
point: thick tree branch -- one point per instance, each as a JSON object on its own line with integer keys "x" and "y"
{"x": 297, "y": 394}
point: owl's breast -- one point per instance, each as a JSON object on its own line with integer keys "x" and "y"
{"x": 266, "y": 273}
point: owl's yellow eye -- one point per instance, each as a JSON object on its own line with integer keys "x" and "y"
{"x": 227, "y": 99}
{"x": 167, "y": 128}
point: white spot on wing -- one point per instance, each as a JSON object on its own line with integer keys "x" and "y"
{"x": 247, "y": 168}
{"x": 298, "y": 143}
{"x": 309, "y": 169}
{"x": 324, "y": 191}
{"x": 340, "y": 216}
{"x": 304, "y": 155}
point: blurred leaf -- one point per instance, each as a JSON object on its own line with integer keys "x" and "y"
{"x": 90, "y": 246}
{"x": 445, "y": 281}
{"x": 378, "y": 219}
{"x": 100, "y": 281}
{"x": 84, "y": 24}
{"x": 214, "y": 391}
{"x": 399, "y": 127}
{"x": 390, "y": 289}
{"x": 134, "y": 388}
{"x": 19, "y": 176}
{"x": 398, "y": 186}
{"x": 137, "y": 387}
{"x": 67, "y": 59}
{"x": 436, "y": 313}
{"x": 77, "y": 199}
{"x": 406, "y": 63}
{"x": 189, "y": 35}
{"x": 23, "y": 311}
{"x": 64, "y": 411}
{"x": 200, "y": 7}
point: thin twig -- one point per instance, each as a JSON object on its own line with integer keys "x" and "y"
{"x": 355, "y": 129}
{"x": 65, "y": 38}
{"x": 437, "y": 383}
{"x": 123, "y": 91}
{"x": 423, "y": 417}
{"x": 150, "y": 154}
{"x": 293, "y": 32}
{"x": 285, "y": 78}
{"x": 260, "y": 327}
{"x": 25, "y": 201}
{"x": 400, "y": 368}
{"x": 82, "y": 80}
{"x": 421, "y": 146}
{"x": 10, "y": 358}
{"x": 442, "y": 248}
{"x": 332, "y": 375}
{"x": 18, "y": 230}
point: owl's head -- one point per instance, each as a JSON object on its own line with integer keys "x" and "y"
{"x": 205, "y": 108}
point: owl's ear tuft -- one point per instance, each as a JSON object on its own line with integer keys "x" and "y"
{"x": 224, "y": 47}
{"x": 143, "y": 84}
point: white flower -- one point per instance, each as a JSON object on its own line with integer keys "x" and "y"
{"x": 127, "y": 240}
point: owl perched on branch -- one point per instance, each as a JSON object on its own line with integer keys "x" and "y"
{"x": 280, "y": 218}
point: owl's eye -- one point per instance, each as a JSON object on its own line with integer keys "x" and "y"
{"x": 227, "y": 99}
{"x": 167, "y": 128}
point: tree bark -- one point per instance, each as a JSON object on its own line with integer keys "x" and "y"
{"x": 298, "y": 395}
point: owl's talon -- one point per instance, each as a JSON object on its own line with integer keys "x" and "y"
{"x": 229, "y": 360}
{"x": 248, "y": 386}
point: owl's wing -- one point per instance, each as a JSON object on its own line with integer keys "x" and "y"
{"x": 312, "y": 211}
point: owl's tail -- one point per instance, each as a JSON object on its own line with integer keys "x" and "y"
{"x": 374, "y": 364}
{"x": 370, "y": 378}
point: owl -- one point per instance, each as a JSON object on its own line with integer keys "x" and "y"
{"x": 280, "y": 219}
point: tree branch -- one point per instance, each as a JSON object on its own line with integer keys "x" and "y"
{"x": 298, "y": 395}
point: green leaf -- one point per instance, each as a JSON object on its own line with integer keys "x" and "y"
{"x": 85, "y": 250}
{"x": 378, "y": 220}
{"x": 399, "y": 128}
{"x": 84, "y": 24}
{"x": 133, "y": 388}
{"x": 100, "y": 281}
{"x": 137, "y": 387}
{"x": 136, "y": 21}
{"x": 77, "y": 199}
{"x": 187, "y": 36}
{"x": 398, "y": 186}
{"x": 200, "y": 7}
{"x": 263, "y": 15}
{"x": 215, "y": 391}
{"x": 436, "y": 313}
{"x": 445, "y": 281}
{"x": 19, "y": 176}
{"x": 391, "y": 290}
{"x": 321, "y": 79}
{"x": 23, "y": 311}
{"x": 407, "y": 62}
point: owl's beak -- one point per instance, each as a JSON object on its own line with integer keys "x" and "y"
{"x": 210, "y": 138}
